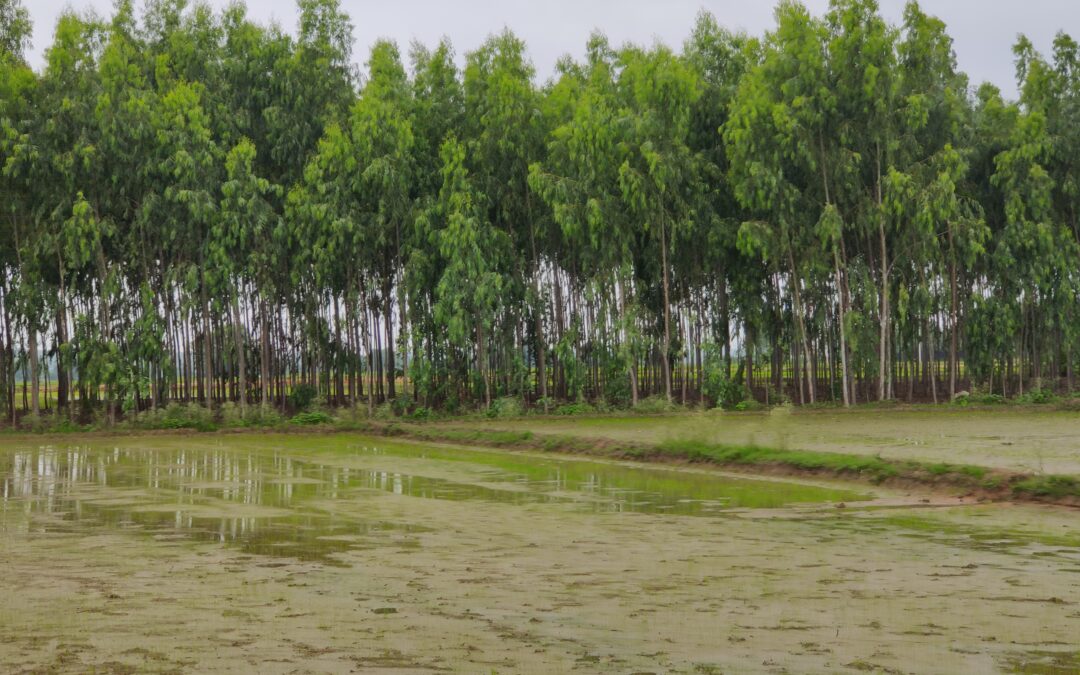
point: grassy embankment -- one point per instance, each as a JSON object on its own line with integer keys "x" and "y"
{"x": 990, "y": 483}
{"x": 983, "y": 481}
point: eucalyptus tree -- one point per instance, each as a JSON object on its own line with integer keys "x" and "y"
{"x": 657, "y": 177}
{"x": 18, "y": 92}
{"x": 383, "y": 142}
{"x": 580, "y": 182}
{"x": 935, "y": 130}
{"x": 1050, "y": 90}
{"x": 720, "y": 59}
{"x": 438, "y": 111}
{"x": 471, "y": 286}
{"x": 776, "y": 137}
{"x": 312, "y": 85}
{"x": 239, "y": 251}
{"x": 188, "y": 193}
{"x": 504, "y": 134}
{"x": 54, "y": 157}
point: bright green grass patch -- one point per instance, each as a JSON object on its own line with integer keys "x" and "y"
{"x": 982, "y": 536}
{"x": 876, "y": 469}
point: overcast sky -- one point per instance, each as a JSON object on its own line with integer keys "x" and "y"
{"x": 983, "y": 30}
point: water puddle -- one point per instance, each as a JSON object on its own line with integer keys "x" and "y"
{"x": 273, "y": 500}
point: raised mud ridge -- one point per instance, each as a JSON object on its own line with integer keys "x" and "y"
{"x": 983, "y": 483}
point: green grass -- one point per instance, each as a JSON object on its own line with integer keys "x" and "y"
{"x": 1056, "y": 488}
{"x": 873, "y": 469}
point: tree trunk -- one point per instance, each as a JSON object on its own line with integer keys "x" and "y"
{"x": 843, "y": 335}
{"x": 241, "y": 358}
{"x": 953, "y": 319}
{"x": 667, "y": 313}
{"x": 796, "y": 283}
{"x": 35, "y": 402}
{"x": 391, "y": 370}
{"x": 627, "y": 346}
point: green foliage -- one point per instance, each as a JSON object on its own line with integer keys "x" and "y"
{"x": 202, "y": 207}
{"x": 718, "y": 386}
{"x": 579, "y": 408}
{"x": 747, "y": 405}
{"x": 1038, "y": 397}
{"x": 507, "y": 406}
{"x": 311, "y": 418}
{"x": 422, "y": 414}
{"x": 302, "y": 396}
{"x": 654, "y": 405}
{"x": 256, "y": 416}
{"x": 1054, "y": 487}
{"x": 175, "y": 416}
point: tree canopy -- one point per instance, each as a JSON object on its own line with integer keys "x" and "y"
{"x": 202, "y": 208}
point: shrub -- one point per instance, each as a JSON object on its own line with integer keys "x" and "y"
{"x": 654, "y": 405}
{"x": 422, "y": 414}
{"x": 508, "y": 406}
{"x": 384, "y": 411}
{"x": 256, "y": 415}
{"x": 748, "y": 404}
{"x": 1038, "y": 397}
{"x": 175, "y": 416}
{"x": 311, "y": 418}
{"x": 302, "y": 395}
{"x": 617, "y": 387}
{"x": 579, "y": 408}
{"x": 776, "y": 396}
{"x": 725, "y": 392}
{"x": 402, "y": 404}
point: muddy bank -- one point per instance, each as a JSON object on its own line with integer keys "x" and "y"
{"x": 972, "y": 482}
{"x": 1016, "y": 440}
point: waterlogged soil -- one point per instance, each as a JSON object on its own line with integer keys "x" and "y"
{"x": 1029, "y": 441}
{"x": 341, "y": 554}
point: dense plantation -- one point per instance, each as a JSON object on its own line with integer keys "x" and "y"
{"x": 201, "y": 208}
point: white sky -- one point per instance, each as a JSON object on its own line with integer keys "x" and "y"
{"x": 983, "y": 30}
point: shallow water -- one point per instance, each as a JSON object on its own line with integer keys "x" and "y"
{"x": 281, "y": 500}
{"x": 282, "y": 553}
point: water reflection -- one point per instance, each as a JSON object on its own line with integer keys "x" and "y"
{"x": 279, "y": 502}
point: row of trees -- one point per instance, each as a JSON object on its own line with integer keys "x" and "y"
{"x": 198, "y": 207}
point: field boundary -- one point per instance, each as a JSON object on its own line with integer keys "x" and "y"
{"x": 983, "y": 483}
{"x": 967, "y": 480}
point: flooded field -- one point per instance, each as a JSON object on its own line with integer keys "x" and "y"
{"x": 326, "y": 553}
{"x": 1019, "y": 440}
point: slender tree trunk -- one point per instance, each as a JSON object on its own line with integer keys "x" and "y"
{"x": 795, "y": 286}
{"x": 241, "y": 358}
{"x": 628, "y": 346}
{"x": 264, "y": 353}
{"x": 388, "y": 323}
{"x": 843, "y": 335}
{"x": 667, "y": 312}
{"x": 954, "y": 318}
{"x": 206, "y": 351}
{"x": 35, "y": 402}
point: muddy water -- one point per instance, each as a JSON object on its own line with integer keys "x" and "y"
{"x": 336, "y": 553}
{"x": 279, "y": 501}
